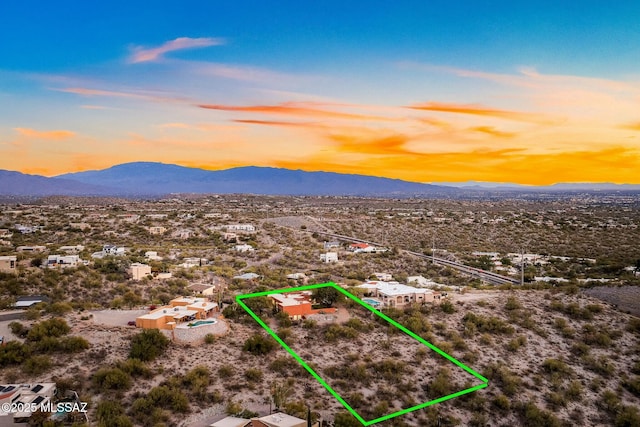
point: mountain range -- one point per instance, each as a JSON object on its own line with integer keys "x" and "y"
{"x": 154, "y": 179}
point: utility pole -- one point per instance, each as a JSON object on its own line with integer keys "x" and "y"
{"x": 433, "y": 250}
{"x": 521, "y": 267}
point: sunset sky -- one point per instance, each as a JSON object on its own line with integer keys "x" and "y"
{"x": 429, "y": 91}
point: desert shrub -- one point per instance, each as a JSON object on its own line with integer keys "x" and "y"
{"x": 36, "y": 365}
{"x": 283, "y": 319}
{"x": 170, "y": 398}
{"x": 502, "y": 402}
{"x": 226, "y": 371}
{"x": 357, "y": 324}
{"x": 58, "y": 308}
{"x": 440, "y": 386}
{"x": 633, "y": 385}
{"x": 55, "y": 327}
{"x": 286, "y": 335}
{"x": 18, "y": 329}
{"x": 634, "y": 325}
{"x": 135, "y": 368}
{"x": 110, "y": 413}
{"x": 333, "y": 332}
{"x": 345, "y": 419}
{"x": 512, "y": 304}
{"x": 148, "y": 344}
{"x": 309, "y": 324}
{"x": 258, "y": 344}
{"x": 532, "y": 416}
{"x": 253, "y": 375}
{"x": 447, "y": 307}
{"x": 580, "y": 349}
{"x": 509, "y": 382}
{"x": 492, "y": 325}
{"x": 516, "y": 343}
{"x": 556, "y": 400}
{"x": 13, "y": 353}
{"x": 350, "y": 372}
{"x": 73, "y": 344}
{"x": 209, "y": 339}
{"x": 197, "y": 380}
{"x": 628, "y": 416}
{"x": 574, "y": 391}
{"x": 596, "y": 336}
{"x": 111, "y": 379}
{"x": 602, "y": 365}
{"x": 609, "y": 401}
{"x": 553, "y": 366}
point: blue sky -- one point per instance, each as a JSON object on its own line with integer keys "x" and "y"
{"x": 77, "y": 91}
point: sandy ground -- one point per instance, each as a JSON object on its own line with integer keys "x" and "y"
{"x": 116, "y": 317}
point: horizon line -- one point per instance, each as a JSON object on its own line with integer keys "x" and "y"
{"x": 448, "y": 183}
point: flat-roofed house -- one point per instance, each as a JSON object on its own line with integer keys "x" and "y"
{"x": 248, "y": 228}
{"x": 394, "y": 294}
{"x": 179, "y": 310}
{"x": 63, "y": 261}
{"x": 156, "y": 229}
{"x": 297, "y": 304}
{"x": 138, "y": 271}
{"x": 8, "y": 264}
{"x": 329, "y": 257}
{"x": 278, "y": 419}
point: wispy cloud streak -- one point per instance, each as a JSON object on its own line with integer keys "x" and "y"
{"x": 141, "y": 54}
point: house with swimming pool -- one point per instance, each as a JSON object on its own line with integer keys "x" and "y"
{"x": 180, "y": 310}
{"x": 393, "y": 294}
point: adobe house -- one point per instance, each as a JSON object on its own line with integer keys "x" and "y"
{"x": 297, "y": 304}
{"x": 178, "y": 311}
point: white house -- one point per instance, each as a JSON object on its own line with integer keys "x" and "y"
{"x": 383, "y": 276}
{"x": 422, "y": 282}
{"x": 72, "y": 249}
{"x": 109, "y": 250}
{"x": 329, "y": 257}
{"x": 152, "y": 256}
{"x": 243, "y": 248}
{"x": 63, "y": 261}
{"x": 241, "y": 227}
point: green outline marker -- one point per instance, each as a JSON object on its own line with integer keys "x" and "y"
{"x": 295, "y": 355}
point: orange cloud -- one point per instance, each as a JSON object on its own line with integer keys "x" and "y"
{"x": 293, "y": 109}
{"x": 276, "y": 123}
{"x": 152, "y": 54}
{"x": 490, "y": 130}
{"x": 632, "y": 126}
{"x": 614, "y": 164}
{"x": 54, "y": 135}
{"x": 479, "y": 110}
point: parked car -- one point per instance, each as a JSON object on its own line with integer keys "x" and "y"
{"x": 131, "y": 323}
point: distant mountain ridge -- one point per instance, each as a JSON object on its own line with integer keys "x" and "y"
{"x": 156, "y": 179}
{"x": 20, "y": 184}
{"x": 148, "y": 178}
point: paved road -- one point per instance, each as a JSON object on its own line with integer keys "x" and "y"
{"x": 487, "y": 276}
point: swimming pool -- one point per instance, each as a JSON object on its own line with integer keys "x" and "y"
{"x": 202, "y": 322}
{"x": 372, "y": 302}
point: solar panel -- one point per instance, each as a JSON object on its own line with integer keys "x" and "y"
{"x": 9, "y": 388}
{"x": 38, "y": 399}
{"x": 37, "y": 388}
{"x": 2, "y": 388}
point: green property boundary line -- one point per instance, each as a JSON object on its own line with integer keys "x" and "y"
{"x": 271, "y": 332}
